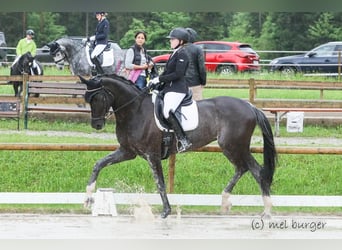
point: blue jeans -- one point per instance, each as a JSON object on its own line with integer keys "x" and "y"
{"x": 141, "y": 82}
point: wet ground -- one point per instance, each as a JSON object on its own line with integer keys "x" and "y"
{"x": 70, "y": 226}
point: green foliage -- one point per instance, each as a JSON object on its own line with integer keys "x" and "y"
{"x": 324, "y": 29}
{"x": 265, "y": 31}
{"x": 240, "y": 28}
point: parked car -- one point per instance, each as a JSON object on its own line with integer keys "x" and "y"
{"x": 3, "y": 52}
{"x": 222, "y": 57}
{"x": 322, "y": 59}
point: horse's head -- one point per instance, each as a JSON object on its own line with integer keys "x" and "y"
{"x": 100, "y": 101}
{"x": 25, "y": 63}
{"x": 57, "y": 51}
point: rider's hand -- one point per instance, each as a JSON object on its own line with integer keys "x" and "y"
{"x": 85, "y": 40}
{"x": 153, "y": 84}
{"x": 155, "y": 80}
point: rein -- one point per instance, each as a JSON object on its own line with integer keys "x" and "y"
{"x": 108, "y": 114}
{"x": 65, "y": 57}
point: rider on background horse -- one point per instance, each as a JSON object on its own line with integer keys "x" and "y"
{"x": 27, "y": 44}
{"x": 174, "y": 85}
{"x": 100, "y": 40}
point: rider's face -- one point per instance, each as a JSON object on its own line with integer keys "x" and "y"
{"x": 98, "y": 17}
{"x": 174, "y": 42}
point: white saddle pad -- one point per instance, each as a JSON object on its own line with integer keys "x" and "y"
{"x": 189, "y": 119}
{"x": 108, "y": 57}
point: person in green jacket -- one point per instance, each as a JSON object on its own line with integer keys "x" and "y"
{"x": 27, "y": 44}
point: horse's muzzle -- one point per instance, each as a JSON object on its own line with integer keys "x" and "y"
{"x": 98, "y": 124}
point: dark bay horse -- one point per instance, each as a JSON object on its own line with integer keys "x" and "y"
{"x": 228, "y": 120}
{"x": 24, "y": 65}
{"x": 76, "y": 53}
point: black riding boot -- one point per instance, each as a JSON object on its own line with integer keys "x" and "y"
{"x": 183, "y": 142}
{"x": 99, "y": 69}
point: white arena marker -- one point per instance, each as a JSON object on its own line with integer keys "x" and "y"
{"x": 104, "y": 202}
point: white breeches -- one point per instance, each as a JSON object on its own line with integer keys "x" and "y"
{"x": 98, "y": 50}
{"x": 171, "y": 102}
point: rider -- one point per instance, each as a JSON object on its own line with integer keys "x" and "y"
{"x": 27, "y": 44}
{"x": 174, "y": 83}
{"x": 100, "y": 39}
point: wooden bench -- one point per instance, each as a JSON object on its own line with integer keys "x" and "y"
{"x": 54, "y": 97}
{"x": 10, "y": 108}
{"x": 279, "y": 113}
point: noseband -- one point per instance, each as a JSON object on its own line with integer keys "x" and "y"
{"x": 63, "y": 57}
{"x": 107, "y": 94}
{"x": 91, "y": 93}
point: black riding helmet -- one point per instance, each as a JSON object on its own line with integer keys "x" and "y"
{"x": 30, "y": 32}
{"x": 102, "y": 13}
{"x": 180, "y": 34}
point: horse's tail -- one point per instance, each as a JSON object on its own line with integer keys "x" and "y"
{"x": 270, "y": 153}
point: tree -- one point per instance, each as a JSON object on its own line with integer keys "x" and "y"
{"x": 240, "y": 29}
{"x": 210, "y": 25}
{"x": 325, "y": 29}
{"x": 45, "y": 27}
{"x": 12, "y": 24}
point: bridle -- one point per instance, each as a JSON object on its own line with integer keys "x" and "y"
{"x": 91, "y": 93}
{"x": 62, "y": 56}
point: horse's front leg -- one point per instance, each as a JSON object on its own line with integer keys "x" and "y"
{"x": 158, "y": 176}
{"x": 118, "y": 155}
{"x": 15, "y": 88}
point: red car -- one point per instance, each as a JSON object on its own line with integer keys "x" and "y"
{"x": 222, "y": 57}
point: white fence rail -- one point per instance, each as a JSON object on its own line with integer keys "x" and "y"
{"x": 175, "y": 199}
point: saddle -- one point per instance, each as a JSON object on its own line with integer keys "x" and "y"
{"x": 159, "y": 106}
{"x": 186, "y": 113}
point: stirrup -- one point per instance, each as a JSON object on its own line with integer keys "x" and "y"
{"x": 93, "y": 72}
{"x": 183, "y": 145}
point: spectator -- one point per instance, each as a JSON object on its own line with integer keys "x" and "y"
{"x": 137, "y": 61}
{"x": 196, "y": 75}
{"x": 174, "y": 84}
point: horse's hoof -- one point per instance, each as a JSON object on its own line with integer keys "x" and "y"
{"x": 165, "y": 213}
{"x": 266, "y": 216}
{"x": 226, "y": 207}
{"x": 89, "y": 202}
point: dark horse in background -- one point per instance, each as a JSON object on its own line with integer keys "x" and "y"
{"x": 228, "y": 120}
{"x": 24, "y": 65}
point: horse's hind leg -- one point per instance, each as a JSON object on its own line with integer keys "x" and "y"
{"x": 265, "y": 189}
{"x": 238, "y": 158}
{"x": 226, "y": 204}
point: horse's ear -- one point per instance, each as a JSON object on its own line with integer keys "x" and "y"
{"x": 91, "y": 83}
{"x": 50, "y": 44}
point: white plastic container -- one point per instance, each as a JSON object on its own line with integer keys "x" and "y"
{"x": 294, "y": 122}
